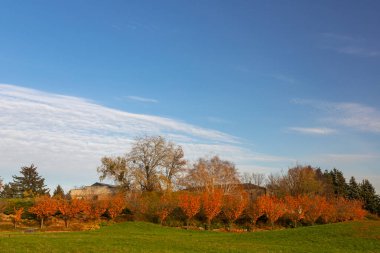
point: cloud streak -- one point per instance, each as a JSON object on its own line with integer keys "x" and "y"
{"x": 312, "y": 130}
{"x": 142, "y": 99}
{"x": 351, "y": 115}
{"x": 66, "y": 136}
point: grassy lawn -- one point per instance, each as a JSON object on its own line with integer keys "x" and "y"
{"x": 361, "y": 236}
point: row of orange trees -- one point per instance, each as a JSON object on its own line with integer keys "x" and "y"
{"x": 207, "y": 205}
{"x": 45, "y": 207}
{"x": 296, "y": 208}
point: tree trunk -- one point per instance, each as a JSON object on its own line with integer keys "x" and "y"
{"x": 208, "y": 224}
{"x": 66, "y": 223}
{"x": 42, "y": 223}
{"x": 187, "y": 223}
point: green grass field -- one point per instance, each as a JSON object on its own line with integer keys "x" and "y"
{"x": 145, "y": 237}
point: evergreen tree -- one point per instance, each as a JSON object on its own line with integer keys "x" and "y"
{"x": 338, "y": 182}
{"x": 369, "y": 197}
{"x": 58, "y": 192}
{"x": 29, "y": 184}
{"x": 353, "y": 190}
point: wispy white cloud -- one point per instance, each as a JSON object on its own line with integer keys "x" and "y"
{"x": 313, "y": 130}
{"x": 352, "y": 115}
{"x": 66, "y": 136}
{"x": 142, "y": 99}
{"x": 349, "y": 45}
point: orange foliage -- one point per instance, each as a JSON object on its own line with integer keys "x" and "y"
{"x": 116, "y": 205}
{"x": 329, "y": 213}
{"x": 165, "y": 206}
{"x": 70, "y": 209}
{"x": 137, "y": 203}
{"x": 254, "y": 211}
{"x": 272, "y": 207}
{"x": 212, "y": 204}
{"x": 43, "y": 208}
{"x": 17, "y": 215}
{"x": 315, "y": 207}
{"x": 190, "y": 205}
{"x": 348, "y": 209}
{"x": 234, "y": 205}
{"x": 296, "y": 207}
{"x": 94, "y": 209}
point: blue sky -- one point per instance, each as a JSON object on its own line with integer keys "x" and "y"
{"x": 266, "y": 84}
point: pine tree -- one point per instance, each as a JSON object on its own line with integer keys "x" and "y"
{"x": 369, "y": 197}
{"x": 338, "y": 182}
{"x": 353, "y": 190}
{"x": 29, "y": 184}
{"x": 59, "y": 193}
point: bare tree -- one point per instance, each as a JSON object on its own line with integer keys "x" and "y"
{"x": 253, "y": 178}
{"x": 152, "y": 164}
{"x": 208, "y": 174}
{"x": 174, "y": 166}
{"x": 117, "y": 169}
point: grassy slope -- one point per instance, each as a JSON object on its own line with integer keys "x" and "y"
{"x": 144, "y": 237}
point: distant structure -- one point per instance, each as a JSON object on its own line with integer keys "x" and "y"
{"x": 97, "y": 191}
{"x": 254, "y": 191}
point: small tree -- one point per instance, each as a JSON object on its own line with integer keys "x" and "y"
{"x": 17, "y": 216}
{"x": 212, "y": 204}
{"x": 59, "y": 193}
{"x": 165, "y": 206}
{"x": 315, "y": 206}
{"x": 190, "y": 205}
{"x": 43, "y": 208}
{"x": 94, "y": 209}
{"x": 296, "y": 207}
{"x": 272, "y": 207}
{"x": 70, "y": 209}
{"x": 234, "y": 205}
{"x": 116, "y": 205}
{"x": 254, "y": 212}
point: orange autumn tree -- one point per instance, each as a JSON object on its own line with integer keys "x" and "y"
{"x": 43, "y": 208}
{"x": 234, "y": 205}
{"x": 329, "y": 213}
{"x": 165, "y": 206}
{"x": 315, "y": 206}
{"x": 254, "y": 212}
{"x": 296, "y": 207}
{"x": 16, "y": 218}
{"x": 212, "y": 204}
{"x": 94, "y": 209}
{"x": 348, "y": 209}
{"x": 190, "y": 205}
{"x": 70, "y": 209}
{"x": 116, "y": 205}
{"x": 357, "y": 211}
{"x": 272, "y": 207}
